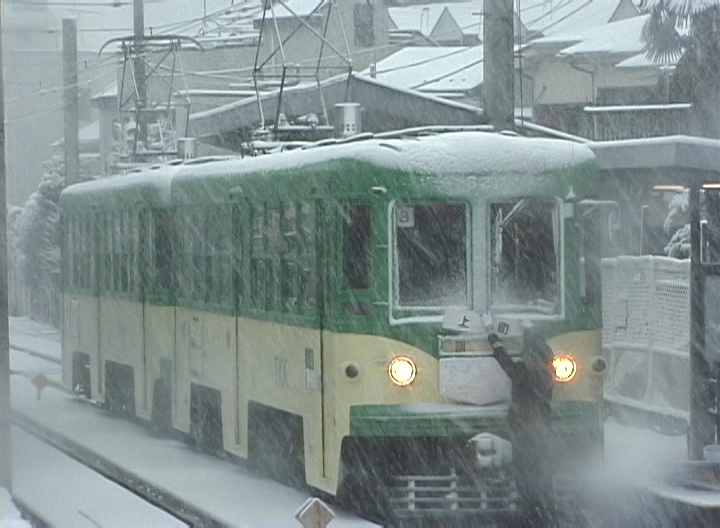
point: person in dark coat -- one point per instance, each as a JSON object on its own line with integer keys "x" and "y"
{"x": 530, "y": 423}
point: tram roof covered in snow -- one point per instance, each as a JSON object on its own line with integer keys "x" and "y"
{"x": 461, "y": 153}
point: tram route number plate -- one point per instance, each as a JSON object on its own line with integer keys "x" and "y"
{"x": 468, "y": 321}
{"x": 314, "y": 513}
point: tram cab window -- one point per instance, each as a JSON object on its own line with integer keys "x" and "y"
{"x": 357, "y": 259}
{"x": 431, "y": 255}
{"x": 525, "y": 249}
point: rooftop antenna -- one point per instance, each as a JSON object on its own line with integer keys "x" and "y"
{"x": 149, "y": 97}
{"x": 262, "y": 72}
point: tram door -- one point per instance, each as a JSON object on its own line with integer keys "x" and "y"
{"x": 348, "y": 299}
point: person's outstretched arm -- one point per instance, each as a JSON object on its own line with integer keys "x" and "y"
{"x": 501, "y": 355}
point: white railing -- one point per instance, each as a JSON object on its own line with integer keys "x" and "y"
{"x": 646, "y": 333}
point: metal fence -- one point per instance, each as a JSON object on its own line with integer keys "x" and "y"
{"x": 609, "y": 123}
{"x": 40, "y": 304}
{"x": 646, "y": 333}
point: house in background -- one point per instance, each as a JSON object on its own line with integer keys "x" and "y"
{"x": 437, "y": 24}
{"x": 594, "y": 80}
{"x": 450, "y": 72}
{"x": 580, "y": 66}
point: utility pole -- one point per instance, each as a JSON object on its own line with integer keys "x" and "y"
{"x": 499, "y": 63}
{"x": 5, "y": 451}
{"x": 140, "y": 77}
{"x": 70, "y": 96}
{"x": 701, "y": 423}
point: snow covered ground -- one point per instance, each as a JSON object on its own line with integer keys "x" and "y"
{"x": 9, "y": 514}
{"x": 633, "y": 456}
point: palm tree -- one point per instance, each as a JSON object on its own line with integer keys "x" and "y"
{"x": 689, "y": 31}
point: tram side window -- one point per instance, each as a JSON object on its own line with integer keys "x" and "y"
{"x": 123, "y": 245}
{"x": 525, "y": 246}
{"x": 185, "y": 273}
{"x": 307, "y": 249}
{"x": 195, "y": 252}
{"x": 258, "y": 260}
{"x": 357, "y": 255}
{"x": 162, "y": 243}
{"x": 82, "y": 234}
{"x": 67, "y": 252}
{"x": 218, "y": 237}
{"x": 108, "y": 272}
{"x": 88, "y": 260}
{"x": 282, "y": 256}
{"x": 290, "y": 258}
{"x": 115, "y": 252}
{"x": 132, "y": 233}
{"x": 70, "y": 237}
{"x": 274, "y": 248}
{"x": 237, "y": 239}
{"x": 590, "y": 258}
{"x": 74, "y": 252}
{"x": 297, "y": 256}
{"x": 94, "y": 250}
{"x": 105, "y": 253}
{"x": 431, "y": 255}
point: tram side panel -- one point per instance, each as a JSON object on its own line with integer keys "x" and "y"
{"x": 82, "y": 371}
{"x": 82, "y": 367}
{"x": 205, "y": 399}
{"x": 159, "y": 339}
{"x": 122, "y": 355}
{"x": 284, "y": 391}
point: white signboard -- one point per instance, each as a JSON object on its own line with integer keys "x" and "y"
{"x": 314, "y": 513}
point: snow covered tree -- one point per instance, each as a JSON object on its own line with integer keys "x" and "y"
{"x": 677, "y": 226}
{"x": 38, "y": 232}
{"x": 37, "y": 229}
{"x": 689, "y": 31}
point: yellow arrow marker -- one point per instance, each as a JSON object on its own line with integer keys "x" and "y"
{"x": 40, "y": 382}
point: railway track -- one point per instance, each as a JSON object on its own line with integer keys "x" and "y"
{"x": 161, "y": 499}
{"x": 154, "y": 495}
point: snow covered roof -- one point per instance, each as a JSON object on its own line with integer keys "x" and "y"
{"x": 468, "y": 17}
{"x": 688, "y": 7}
{"x": 565, "y": 22}
{"x": 383, "y": 101}
{"x": 653, "y": 154}
{"x": 440, "y": 21}
{"x": 155, "y": 178}
{"x": 420, "y": 18}
{"x": 622, "y": 37}
{"x": 433, "y": 69}
{"x": 641, "y": 60}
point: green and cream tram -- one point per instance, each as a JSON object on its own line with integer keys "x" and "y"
{"x": 287, "y": 309}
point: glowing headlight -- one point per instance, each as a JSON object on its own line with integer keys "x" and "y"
{"x": 564, "y": 368}
{"x": 402, "y": 370}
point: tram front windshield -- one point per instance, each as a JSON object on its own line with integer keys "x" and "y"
{"x": 525, "y": 249}
{"x": 431, "y": 255}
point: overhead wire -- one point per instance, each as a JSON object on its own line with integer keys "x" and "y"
{"x": 222, "y": 75}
